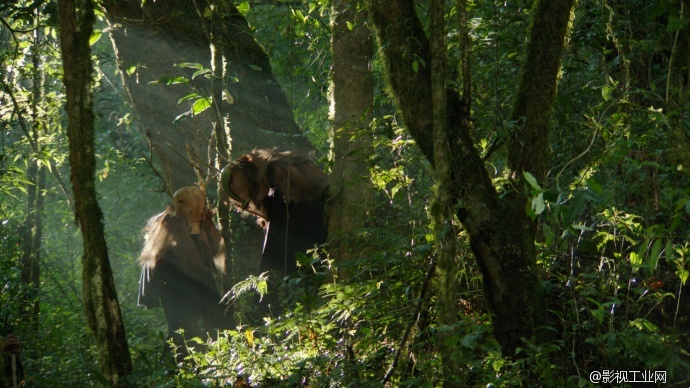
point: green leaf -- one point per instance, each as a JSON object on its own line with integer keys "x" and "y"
{"x": 243, "y": 7}
{"x": 655, "y": 254}
{"x": 200, "y": 72}
{"x": 95, "y": 36}
{"x": 171, "y": 80}
{"x": 532, "y": 181}
{"x": 635, "y": 261}
{"x": 190, "y": 65}
{"x": 130, "y": 70}
{"x": 201, "y": 105}
{"x": 669, "y": 251}
{"x": 395, "y": 190}
{"x": 606, "y": 92}
{"x": 190, "y": 96}
{"x": 262, "y": 287}
{"x": 595, "y": 186}
{"x": 181, "y": 116}
{"x": 538, "y": 204}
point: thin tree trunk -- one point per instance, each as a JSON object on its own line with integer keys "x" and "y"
{"x": 465, "y": 64}
{"x": 221, "y": 128}
{"x": 442, "y": 207}
{"x": 678, "y": 91}
{"x": 36, "y": 174}
{"x": 99, "y": 296}
{"x": 352, "y": 101}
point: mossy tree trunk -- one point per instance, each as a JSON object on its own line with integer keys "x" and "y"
{"x": 352, "y": 102}
{"x": 221, "y": 136}
{"x": 501, "y": 232}
{"x": 443, "y": 204}
{"x": 100, "y": 298}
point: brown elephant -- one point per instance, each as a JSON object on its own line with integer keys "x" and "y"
{"x": 290, "y": 193}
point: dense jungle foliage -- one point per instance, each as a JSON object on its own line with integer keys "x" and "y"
{"x": 613, "y": 214}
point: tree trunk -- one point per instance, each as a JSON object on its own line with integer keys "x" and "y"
{"x": 678, "y": 91}
{"x": 150, "y": 39}
{"x": 501, "y": 233}
{"x": 36, "y": 175}
{"x": 442, "y": 205}
{"x": 352, "y": 102}
{"x": 100, "y": 298}
{"x": 221, "y": 135}
{"x": 33, "y": 232}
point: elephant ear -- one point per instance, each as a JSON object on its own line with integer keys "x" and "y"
{"x": 226, "y": 179}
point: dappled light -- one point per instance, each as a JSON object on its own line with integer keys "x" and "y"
{"x": 324, "y": 194}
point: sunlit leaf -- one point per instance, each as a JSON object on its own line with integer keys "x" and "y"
{"x": 635, "y": 261}
{"x": 200, "y": 72}
{"x": 95, "y": 37}
{"x": 190, "y": 96}
{"x": 228, "y": 97}
{"x": 190, "y": 65}
{"x": 606, "y": 92}
{"x": 249, "y": 335}
{"x": 538, "y": 203}
{"x": 682, "y": 274}
{"x": 181, "y": 116}
{"x": 243, "y": 7}
{"x": 201, "y": 105}
{"x": 171, "y": 80}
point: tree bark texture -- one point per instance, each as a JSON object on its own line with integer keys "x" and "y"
{"x": 537, "y": 90}
{"x": 221, "y": 135}
{"x": 442, "y": 206}
{"x": 33, "y": 234}
{"x": 352, "y": 102}
{"x": 150, "y": 39}
{"x": 501, "y": 234}
{"x": 100, "y": 298}
{"x": 33, "y": 225}
{"x": 678, "y": 91}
